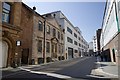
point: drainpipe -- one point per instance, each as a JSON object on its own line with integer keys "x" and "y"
{"x": 44, "y": 51}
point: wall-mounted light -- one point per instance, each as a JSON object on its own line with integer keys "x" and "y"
{"x": 18, "y": 43}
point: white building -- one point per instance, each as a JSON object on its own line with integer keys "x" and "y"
{"x": 111, "y": 29}
{"x": 90, "y": 48}
{"x": 75, "y": 44}
{"x": 95, "y": 44}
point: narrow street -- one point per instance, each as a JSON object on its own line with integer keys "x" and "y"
{"x": 79, "y": 68}
{"x": 60, "y": 40}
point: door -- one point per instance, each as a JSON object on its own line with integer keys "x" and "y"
{"x": 54, "y": 50}
{"x": 3, "y": 53}
{"x": 70, "y": 53}
{"x": 25, "y": 54}
{"x": 113, "y": 51}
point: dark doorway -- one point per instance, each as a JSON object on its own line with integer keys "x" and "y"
{"x": 25, "y": 54}
{"x": 113, "y": 51}
{"x": 70, "y": 53}
{"x": 106, "y": 55}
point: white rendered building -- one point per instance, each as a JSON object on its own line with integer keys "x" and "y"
{"x": 75, "y": 44}
{"x": 110, "y": 34}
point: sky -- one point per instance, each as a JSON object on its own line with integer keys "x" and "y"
{"x": 87, "y": 16}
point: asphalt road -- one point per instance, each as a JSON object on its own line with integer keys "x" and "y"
{"x": 75, "y": 69}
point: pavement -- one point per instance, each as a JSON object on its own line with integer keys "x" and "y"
{"x": 76, "y": 68}
{"x": 105, "y": 70}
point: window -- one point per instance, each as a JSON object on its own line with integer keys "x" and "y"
{"x": 79, "y": 44}
{"x": 56, "y": 48}
{"x": 52, "y": 49}
{"x": 6, "y": 12}
{"x": 62, "y": 49}
{"x": 76, "y": 51}
{"x": 75, "y": 42}
{"x": 69, "y": 30}
{"x": 48, "y": 47}
{"x": 58, "y": 35}
{"x": 40, "y": 26}
{"x": 48, "y": 29}
{"x": 54, "y": 32}
{"x": 75, "y": 35}
{"x": 69, "y": 40}
{"x": 95, "y": 47}
{"x": 119, "y": 6}
{"x": 40, "y": 46}
{"x": 61, "y": 36}
{"x": 59, "y": 49}
{"x": 79, "y": 38}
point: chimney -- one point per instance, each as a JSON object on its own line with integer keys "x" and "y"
{"x": 34, "y": 8}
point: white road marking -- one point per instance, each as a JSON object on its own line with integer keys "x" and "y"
{"x": 46, "y": 73}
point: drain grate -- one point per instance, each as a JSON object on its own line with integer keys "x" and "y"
{"x": 99, "y": 75}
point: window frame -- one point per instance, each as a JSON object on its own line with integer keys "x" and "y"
{"x": 75, "y": 35}
{"x": 69, "y": 30}
{"x": 75, "y": 42}
{"x": 48, "y": 47}
{"x": 54, "y": 32}
{"x": 40, "y": 26}
{"x": 69, "y": 40}
{"x": 48, "y": 29}
{"x": 58, "y": 35}
{"x": 4, "y": 11}
{"x": 39, "y": 47}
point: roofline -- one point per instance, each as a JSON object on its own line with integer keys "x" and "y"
{"x": 67, "y": 20}
{"x": 29, "y": 8}
{"x": 104, "y": 13}
{"x": 61, "y": 18}
{"x": 50, "y": 12}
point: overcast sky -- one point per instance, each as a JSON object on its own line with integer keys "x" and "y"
{"x": 85, "y": 15}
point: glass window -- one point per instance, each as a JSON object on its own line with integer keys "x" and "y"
{"x": 6, "y": 6}
{"x": 61, "y": 36}
{"x": 76, "y": 51}
{"x": 75, "y": 35}
{"x": 75, "y": 42}
{"x": 48, "y": 29}
{"x": 69, "y": 40}
{"x": 59, "y": 49}
{"x": 69, "y": 30}
{"x": 54, "y": 32}
{"x": 56, "y": 48}
{"x": 40, "y": 26}
{"x": 52, "y": 49}
{"x": 58, "y": 35}
{"x": 62, "y": 49}
{"x": 119, "y": 6}
{"x": 6, "y": 12}
{"x": 79, "y": 44}
{"x": 40, "y": 46}
{"x": 48, "y": 47}
{"x": 79, "y": 38}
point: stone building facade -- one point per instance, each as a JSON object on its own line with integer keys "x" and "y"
{"x": 54, "y": 47}
{"x": 41, "y": 38}
{"x": 75, "y": 44}
{"x": 11, "y": 31}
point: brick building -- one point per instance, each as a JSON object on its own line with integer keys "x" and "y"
{"x": 39, "y": 46}
{"x": 10, "y": 41}
{"x": 24, "y": 38}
